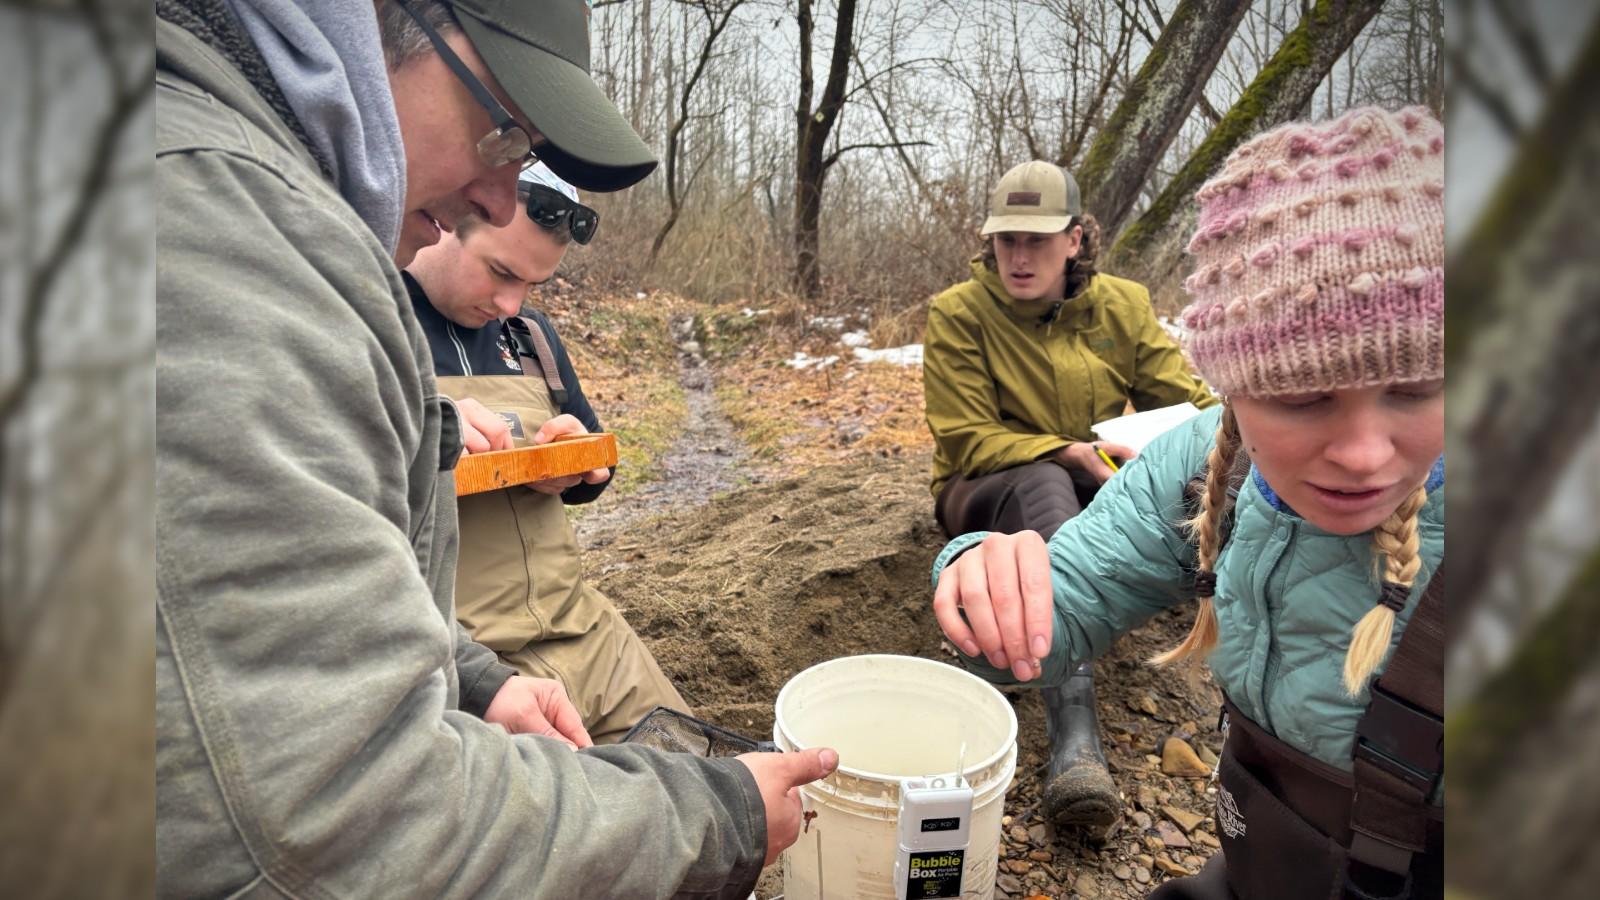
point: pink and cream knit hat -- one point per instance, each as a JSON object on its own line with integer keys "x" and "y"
{"x": 1320, "y": 258}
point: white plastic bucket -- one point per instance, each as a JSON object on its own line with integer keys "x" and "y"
{"x": 890, "y": 717}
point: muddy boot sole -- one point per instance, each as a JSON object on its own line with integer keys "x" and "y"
{"x": 1084, "y": 800}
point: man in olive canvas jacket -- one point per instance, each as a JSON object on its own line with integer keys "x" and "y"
{"x": 315, "y": 700}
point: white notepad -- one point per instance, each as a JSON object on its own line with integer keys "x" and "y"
{"x": 1139, "y": 429}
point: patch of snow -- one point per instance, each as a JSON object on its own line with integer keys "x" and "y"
{"x": 832, "y": 323}
{"x": 802, "y": 361}
{"x": 1173, "y": 328}
{"x": 909, "y": 355}
{"x": 639, "y": 295}
{"x": 855, "y": 339}
{"x": 749, "y": 313}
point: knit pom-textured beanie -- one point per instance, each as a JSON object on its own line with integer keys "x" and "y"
{"x": 1319, "y": 258}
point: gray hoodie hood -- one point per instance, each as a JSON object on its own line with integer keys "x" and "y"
{"x": 326, "y": 58}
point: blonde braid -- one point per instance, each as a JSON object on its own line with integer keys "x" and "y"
{"x": 1395, "y": 542}
{"x": 1206, "y": 527}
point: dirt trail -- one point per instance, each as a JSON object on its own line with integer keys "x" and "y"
{"x": 706, "y": 459}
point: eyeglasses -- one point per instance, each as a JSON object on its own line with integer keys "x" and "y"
{"x": 548, "y": 207}
{"x": 508, "y": 142}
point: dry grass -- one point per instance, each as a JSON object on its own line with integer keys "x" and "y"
{"x": 622, "y": 349}
{"x": 794, "y": 420}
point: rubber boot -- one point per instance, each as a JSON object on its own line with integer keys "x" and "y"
{"x": 1078, "y": 792}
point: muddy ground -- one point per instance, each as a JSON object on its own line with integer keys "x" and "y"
{"x": 782, "y": 518}
{"x": 706, "y": 457}
{"x": 737, "y": 595}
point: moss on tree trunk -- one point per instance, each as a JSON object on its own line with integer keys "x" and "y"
{"x": 1528, "y": 687}
{"x": 1152, "y": 112}
{"x": 1280, "y": 92}
{"x": 1523, "y": 336}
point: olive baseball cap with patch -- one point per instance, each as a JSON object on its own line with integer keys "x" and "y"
{"x": 1035, "y": 196}
{"x": 539, "y": 52}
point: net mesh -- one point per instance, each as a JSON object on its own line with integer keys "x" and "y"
{"x": 676, "y": 732}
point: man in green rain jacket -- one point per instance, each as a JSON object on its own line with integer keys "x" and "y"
{"x": 1019, "y": 362}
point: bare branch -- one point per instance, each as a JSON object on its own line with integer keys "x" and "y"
{"x": 1070, "y": 150}
{"x": 1493, "y": 102}
{"x": 866, "y": 81}
{"x": 716, "y": 23}
{"x": 1132, "y": 17}
{"x": 888, "y": 124}
{"x": 1519, "y": 29}
{"x": 1155, "y": 13}
{"x": 42, "y": 280}
{"x": 834, "y": 156}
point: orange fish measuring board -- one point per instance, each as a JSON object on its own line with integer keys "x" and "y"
{"x": 566, "y": 455}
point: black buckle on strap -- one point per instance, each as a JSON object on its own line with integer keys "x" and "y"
{"x": 1401, "y": 739}
{"x": 1370, "y": 884}
{"x": 521, "y": 341}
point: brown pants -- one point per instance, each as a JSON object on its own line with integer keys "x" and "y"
{"x": 1037, "y": 496}
{"x": 608, "y": 672}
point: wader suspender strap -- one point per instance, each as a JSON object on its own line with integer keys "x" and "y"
{"x": 1399, "y": 747}
{"x": 533, "y": 352}
{"x": 1399, "y": 750}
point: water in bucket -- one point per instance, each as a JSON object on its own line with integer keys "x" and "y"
{"x": 891, "y": 718}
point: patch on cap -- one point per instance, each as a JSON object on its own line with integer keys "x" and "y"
{"x": 1037, "y": 197}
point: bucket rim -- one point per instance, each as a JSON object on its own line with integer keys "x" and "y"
{"x": 989, "y": 761}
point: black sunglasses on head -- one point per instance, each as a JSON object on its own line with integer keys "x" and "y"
{"x": 548, "y": 207}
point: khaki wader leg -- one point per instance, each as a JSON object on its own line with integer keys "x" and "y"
{"x": 608, "y": 672}
{"x": 520, "y": 587}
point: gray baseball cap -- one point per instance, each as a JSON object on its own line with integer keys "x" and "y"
{"x": 539, "y": 52}
{"x": 1035, "y": 196}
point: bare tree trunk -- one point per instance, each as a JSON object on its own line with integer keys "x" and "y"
{"x": 812, "y": 128}
{"x": 77, "y": 587}
{"x": 1523, "y": 334}
{"x": 1522, "y": 350}
{"x": 1516, "y": 827}
{"x": 716, "y": 22}
{"x": 1153, "y": 110}
{"x": 645, "y": 31}
{"x": 1151, "y": 248}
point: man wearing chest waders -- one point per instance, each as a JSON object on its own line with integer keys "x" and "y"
{"x": 519, "y": 584}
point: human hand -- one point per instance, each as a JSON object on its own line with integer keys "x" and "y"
{"x": 564, "y": 424}
{"x": 1081, "y": 457}
{"x": 527, "y": 705}
{"x": 481, "y": 429}
{"x": 996, "y": 599}
{"x": 779, "y": 776}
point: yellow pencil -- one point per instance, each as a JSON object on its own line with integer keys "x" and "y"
{"x": 1106, "y": 458}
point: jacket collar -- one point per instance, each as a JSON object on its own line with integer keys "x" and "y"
{"x": 1076, "y": 310}
{"x": 1431, "y": 485}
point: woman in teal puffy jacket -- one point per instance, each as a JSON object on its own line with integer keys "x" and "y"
{"x": 1317, "y": 520}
